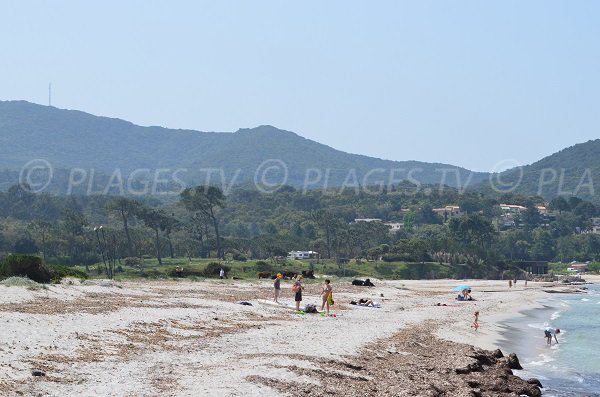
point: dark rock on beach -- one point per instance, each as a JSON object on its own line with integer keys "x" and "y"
{"x": 421, "y": 365}
{"x": 513, "y": 361}
{"x": 535, "y": 381}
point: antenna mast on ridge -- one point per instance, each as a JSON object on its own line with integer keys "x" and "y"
{"x": 50, "y": 94}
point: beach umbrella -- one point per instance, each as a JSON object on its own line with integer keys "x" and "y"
{"x": 461, "y": 287}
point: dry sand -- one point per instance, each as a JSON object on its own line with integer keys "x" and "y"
{"x": 179, "y": 338}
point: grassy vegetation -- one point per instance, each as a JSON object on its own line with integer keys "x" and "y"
{"x": 21, "y": 282}
{"x": 558, "y": 268}
{"x": 59, "y": 272}
{"x": 196, "y": 269}
{"x": 562, "y": 268}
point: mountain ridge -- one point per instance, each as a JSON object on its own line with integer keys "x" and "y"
{"x": 72, "y": 138}
{"x": 572, "y": 171}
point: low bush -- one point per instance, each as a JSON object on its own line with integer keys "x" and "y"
{"x": 394, "y": 257}
{"x": 238, "y": 256}
{"x": 29, "y": 266}
{"x": 21, "y": 282}
{"x": 186, "y": 273}
{"x": 59, "y": 272}
{"x": 132, "y": 261}
{"x": 386, "y": 268}
{"x": 262, "y": 266}
{"x": 213, "y": 269}
{"x": 153, "y": 273}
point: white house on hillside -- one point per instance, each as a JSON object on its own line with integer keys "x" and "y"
{"x": 367, "y": 220}
{"x": 303, "y": 255}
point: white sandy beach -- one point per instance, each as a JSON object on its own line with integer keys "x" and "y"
{"x": 179, "y": 338}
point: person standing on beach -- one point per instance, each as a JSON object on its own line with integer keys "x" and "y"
{"x": 550, "y": 332}
{"x": 277, "y": 286}
{"x": 476, "y": 321}
{"x": 509, "y": 283}
{"x": 221, "y": 274}
{"x": 297, "y": 289}
{"x": 325, "y": 294}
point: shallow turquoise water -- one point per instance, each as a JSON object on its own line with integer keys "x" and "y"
{"x": 571, "y": 367}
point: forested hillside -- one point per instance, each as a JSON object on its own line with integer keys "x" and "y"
{"x": 254, "y": 225}
{"x": 69, "y": 139}
{"x": 574, "y": 171}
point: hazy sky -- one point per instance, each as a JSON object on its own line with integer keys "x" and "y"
{"x": 459, "y": 82}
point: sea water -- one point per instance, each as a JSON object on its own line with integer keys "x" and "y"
{"x": 570, "y": 368}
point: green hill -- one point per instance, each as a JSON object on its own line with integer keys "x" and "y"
{"x": 69, "y": 139}
{"x": 574, "y": 171}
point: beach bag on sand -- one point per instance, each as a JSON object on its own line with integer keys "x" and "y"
{"x": 310, "y": 308}
{"x": 330, "y": 299}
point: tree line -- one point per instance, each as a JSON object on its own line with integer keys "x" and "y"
{"x": 202, "y": 222}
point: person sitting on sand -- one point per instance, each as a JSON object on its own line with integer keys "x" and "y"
{"x": 550, "y": 332}
{"x": 178, "y": 271}
{"x": 363, "y": 302}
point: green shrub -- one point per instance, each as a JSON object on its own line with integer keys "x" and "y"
{"x": 58, "y": 272}
{"x": 57, "y": 260}
{"x": 238, "y": 256}
{"x": 394, "y": 257}
{"x": 85, "y": 258}
{"x": 187, "y": 272}
{"x": 594, "y": 267}
{"x": 133, "y": 262}
{"x": 25, "y": 266}
{"x": 386, "y": 269}
{"x": 418, "y": 271}
{"x": 213, "y": 269}
{"x": 262, "y": 266}
{"x": 153, "y": 273}
{"x": 21, "y": 282}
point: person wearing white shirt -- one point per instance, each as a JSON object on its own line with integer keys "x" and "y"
{"x": 550, "y": 332}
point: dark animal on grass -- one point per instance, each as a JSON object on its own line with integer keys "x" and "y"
{"x": 263, "y": 274}
{"x": 289, "y": 275}
{"x": 365, "y": 283}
